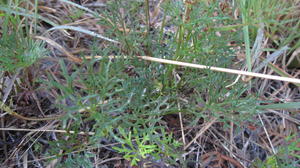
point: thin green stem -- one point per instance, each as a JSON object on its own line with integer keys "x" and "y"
{"x": 246, "y": 35}
{"x": 35, "y": 15}
{"x": 147, "y": 8}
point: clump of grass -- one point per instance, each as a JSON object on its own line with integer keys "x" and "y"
{"x": 18, "y": 51}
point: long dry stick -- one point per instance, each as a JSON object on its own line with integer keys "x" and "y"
{"x": 199, "y": 66}
{"x": 232, "y": 71}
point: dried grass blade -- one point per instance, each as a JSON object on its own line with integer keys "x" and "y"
{"x": 60, "y": 48}
{"x": 202, "y": 130}
{"x": 271, "y": 58}
{"x": 79, "y": 29}
{"x": 79, "y": 6}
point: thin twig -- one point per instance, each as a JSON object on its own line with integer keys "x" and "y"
{"x": 46, "y": 130}
{"x": 231, "y": 136}
{"x": 8, "y": 110}
{"x": 273, "y": 149}
{"x": 17, "y": 115}
{"x": 181, "y": 126}
{"x": 108, "y": 160}
{"x": 202, "y": 130}
{"x": 4, "y": 138}
{"x": 285, "y": 116}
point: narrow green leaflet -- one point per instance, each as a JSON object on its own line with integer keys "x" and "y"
{"x": 289, "y": 105}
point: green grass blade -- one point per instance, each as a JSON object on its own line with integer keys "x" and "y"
{"x": 289, "y": 105}
{"x": 246, "y": 34}
{"x": 23, "y": 12}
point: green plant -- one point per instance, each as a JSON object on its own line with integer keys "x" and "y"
{"x": 286, "y": 157}
{"x": 78, "y": 160}
{"x": 133, "y": 152}
{"x": 136, "y": 146}
{"x": 126, "y": 99}
{"x": 18, "y": 50}
{"x": 137, "y": 100}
